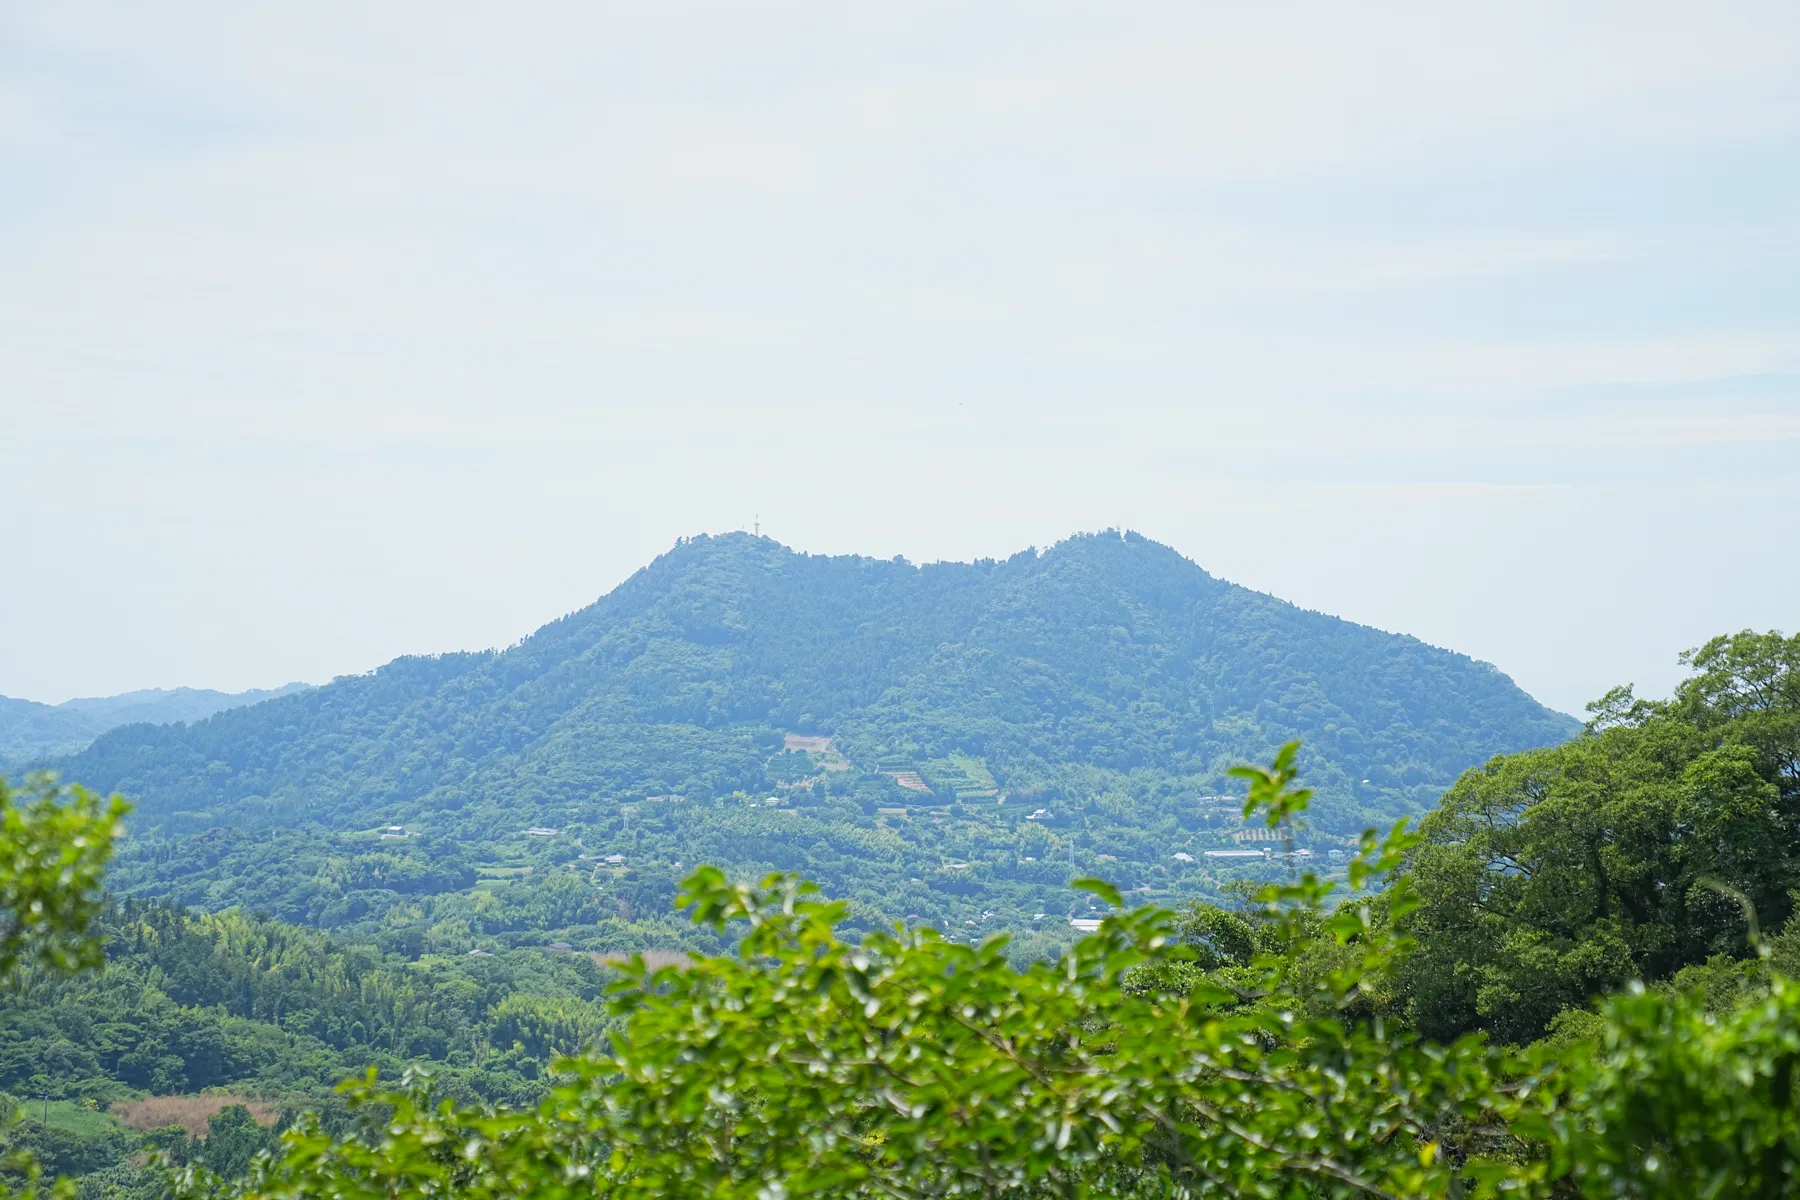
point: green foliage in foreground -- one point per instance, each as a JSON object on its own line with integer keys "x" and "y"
{"x": 54, "y": 844}
{"x": 1140, "y": 1064}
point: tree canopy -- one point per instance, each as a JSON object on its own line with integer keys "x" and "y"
{"x": 55, "y": 842}
{"x": 1550, "y": 876}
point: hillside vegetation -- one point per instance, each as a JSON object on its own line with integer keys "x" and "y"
{"x": 192, "y": 1001}
{"x": 30, "y": 731}
{"x": 1574, "y": 979}
{"x": 953, "y": 741}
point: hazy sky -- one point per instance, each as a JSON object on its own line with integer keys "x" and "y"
{"x": 331, "y": 332}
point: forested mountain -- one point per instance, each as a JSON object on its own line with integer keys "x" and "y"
{"x": 992, "y": 726}
{"x": 29, "y": 730}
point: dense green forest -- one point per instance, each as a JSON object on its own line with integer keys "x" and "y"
{"x": 950, "y": 742}
{"x": 1632, "y": 852}
{"x": 30, "y": 731}
{"x": 193, "y": 1004}
{"x": 191, "y": 1001}
{"x": 1655, "y": 851}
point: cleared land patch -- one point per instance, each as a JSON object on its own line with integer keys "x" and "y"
{"x": 830, "y": 757}
{"x": 190, "y": 1112}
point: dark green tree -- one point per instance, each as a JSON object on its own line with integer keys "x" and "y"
{"x": 1550, "y": 877}
{"x": 233, "y": 1138}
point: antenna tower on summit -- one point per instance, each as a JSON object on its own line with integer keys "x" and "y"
{"x": 756, "y": 525}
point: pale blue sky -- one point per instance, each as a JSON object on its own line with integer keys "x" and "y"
{"x": 332, "y": 332}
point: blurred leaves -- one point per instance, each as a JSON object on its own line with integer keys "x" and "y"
{"x": 55, "y": 841}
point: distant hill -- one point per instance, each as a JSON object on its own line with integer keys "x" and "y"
{"x": 1105, "y": 685}
{"x": 30, "y": 731}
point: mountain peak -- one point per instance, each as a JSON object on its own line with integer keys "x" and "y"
{"x": 1107, "y": 671}
{"x": 1106, "y": 650}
